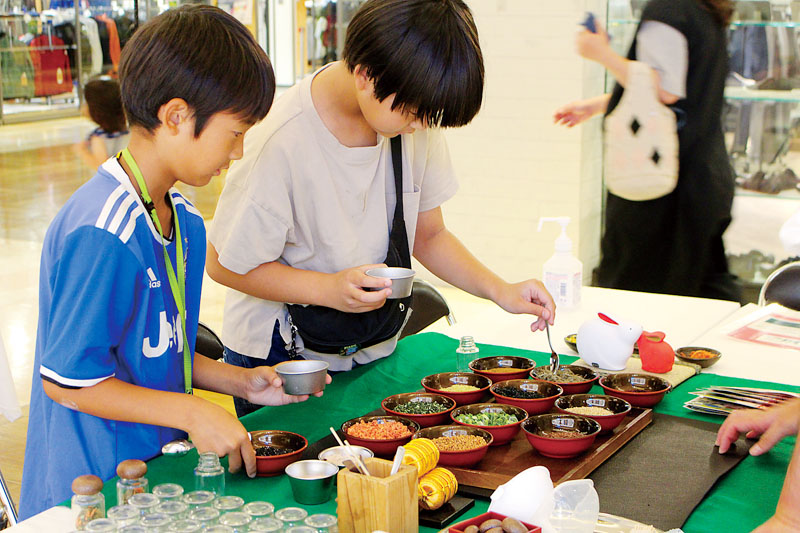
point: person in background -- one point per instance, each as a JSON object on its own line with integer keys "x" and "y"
{"x": 770, "y": 426}
{"x": 672, "y": 244}
{"x": 308, "y": 210}
{"x": 103, "y": 104}
{"x": 122, "y": 269}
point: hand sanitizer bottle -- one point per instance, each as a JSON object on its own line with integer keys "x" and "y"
{"x": 563, "y": 272}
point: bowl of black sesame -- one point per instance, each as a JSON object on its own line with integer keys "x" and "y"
{"x": 275, "y": 450}
{"x": 425, "y": 408}
{"x": 533, "y": 395}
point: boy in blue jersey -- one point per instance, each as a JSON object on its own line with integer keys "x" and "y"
{"x": 122, "y": 266}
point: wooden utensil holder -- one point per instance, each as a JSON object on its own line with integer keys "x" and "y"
{"x": 379, "y": 501}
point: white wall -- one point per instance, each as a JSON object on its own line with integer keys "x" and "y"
{"x": 514, "y": 165}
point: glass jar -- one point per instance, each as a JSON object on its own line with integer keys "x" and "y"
{"x": 155, "y": 522}
{"x": 218, "y": 529}
{"x": 259, "y": 509}
{"x": 102, "y": 525}
{"x": 466, "y": 352}
{"x": 87, "y": 502}
{"x": 131, "y": 479}
{"x": 199, "y": 498}
{"x": 300, "y": 529}
{"x": 173, "y": 509}
{"x": 236, "y": 520}
{"x": 323, "y": 523}
{"x": 205, "y": 515}
{"x": 227, "y": 504}
{"x": 145, "y": 502}
{"x": 291, "y": 516}
{"x": 185, "y": 526}
{"x": 132, "y": 528}
{"x": 266, "y": 524}
{"x": 124, "y": 515}
{"x": 168, "y": 491}
{"x": 209, "y": 474}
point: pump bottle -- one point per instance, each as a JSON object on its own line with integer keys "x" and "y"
{"x": 563, "y": 272}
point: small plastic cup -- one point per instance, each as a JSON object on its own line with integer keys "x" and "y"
{"x": 266, "y": 524}
{"x": 291, "y": 516}
{"x": 258, "y": 509}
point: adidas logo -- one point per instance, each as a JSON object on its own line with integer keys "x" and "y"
{"x": 154, "y": 283}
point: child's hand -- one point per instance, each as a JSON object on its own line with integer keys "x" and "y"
{"x": 771, "y": 425}
{"x": 264, "y": 387}
{"x": 528, "y": 297}
{"x": 593, "y": 45}
{"x": 347, "y": 290}
{"x": 213, "y": 429}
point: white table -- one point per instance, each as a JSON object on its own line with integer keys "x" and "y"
{"x": 683, "y": 319}
{"x": 746, "y": 359}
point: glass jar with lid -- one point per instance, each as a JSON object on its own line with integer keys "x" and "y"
{"x": 87, "y": 502}
{"x": 131, "y": 479}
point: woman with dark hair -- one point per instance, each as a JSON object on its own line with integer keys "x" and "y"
{"x": 672, "y": 244}
{"x": 103, "y": 104}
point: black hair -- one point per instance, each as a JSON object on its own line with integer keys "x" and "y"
{"x": 201, "y": 54}
{"x": 425, "y": 52}
{"x": 721, "y": 10}
{"x": 104, "y": 103}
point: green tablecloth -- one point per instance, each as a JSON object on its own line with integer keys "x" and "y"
{"x": 739, "y": 502}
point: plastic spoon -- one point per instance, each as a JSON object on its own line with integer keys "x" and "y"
{"x": 398, "y": 460}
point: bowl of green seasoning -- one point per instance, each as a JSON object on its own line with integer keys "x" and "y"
{"x": 500, "y": 419}
{"x": 424, "y": 408}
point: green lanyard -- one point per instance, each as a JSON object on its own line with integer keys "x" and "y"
{"x": 178, "y": 286}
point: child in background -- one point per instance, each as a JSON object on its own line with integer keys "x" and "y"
{"x": 122, "y": 269}
{"x": 309, "y": 208}
{"x": 103, "y": 104}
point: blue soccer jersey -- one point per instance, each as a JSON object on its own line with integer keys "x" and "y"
{"x": 105, "y": 310}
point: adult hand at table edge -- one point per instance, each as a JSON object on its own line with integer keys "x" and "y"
{"x": 528, "y": 297}
{"x": 771, "y": 425}
{"x": 265, "y": 387}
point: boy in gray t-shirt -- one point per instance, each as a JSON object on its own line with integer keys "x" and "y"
{"x": 308, "y": 209}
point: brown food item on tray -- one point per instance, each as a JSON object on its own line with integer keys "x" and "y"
{"x": 512, "y": 525}
{"x": 490, "y": 524}
{"x": 495, "y": 530}
{"x": 472, "y": 529}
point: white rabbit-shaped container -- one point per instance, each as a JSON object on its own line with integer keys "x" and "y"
{"x": 606, "y": 343}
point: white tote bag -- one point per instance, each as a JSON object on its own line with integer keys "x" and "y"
{"x": 641, "y": 141}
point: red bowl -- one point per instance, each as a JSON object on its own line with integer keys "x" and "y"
{"x": 571, "y": 387}
{"x": 436, "y": 382}
{"x": 485, "y": 366}
{"x": 464, "y": 458}
{"x": 537, "y": 427}
{"x": 272, "y": 465}
{"x": 391, "y": 403}
{"x": 546, "y": 392}
{"x": 640, "y": 390}
{"x": 381, "y": 447}
{"x": 500, "y": 434}
{"x": 481, "y": 518}
{"x": 618, "y": 406}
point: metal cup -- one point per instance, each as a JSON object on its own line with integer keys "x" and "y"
{"x": 402, "y": 279}
{"x": 312, "y": 480}
{"x": 304, "y": 376}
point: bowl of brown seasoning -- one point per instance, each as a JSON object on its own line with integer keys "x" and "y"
{"x": 502, "y": 367}
{"x": 574, "y": 379}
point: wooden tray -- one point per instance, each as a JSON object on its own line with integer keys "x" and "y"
{"x": 504, "y": 462}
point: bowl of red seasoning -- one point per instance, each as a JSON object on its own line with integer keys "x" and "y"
{"x": 535, "y": 396}
{"x": 381, "y": 433}
{"x": 705, "y": 357}
{"x": 560, "y": 436}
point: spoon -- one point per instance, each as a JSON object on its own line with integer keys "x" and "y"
{"x": 553, "y": 354}
{"x": 398, "y": 460}
{"x": 177, "y": 447}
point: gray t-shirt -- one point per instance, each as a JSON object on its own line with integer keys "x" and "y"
{"x": 665, "y": 49}
{"x": 300, "y": 197}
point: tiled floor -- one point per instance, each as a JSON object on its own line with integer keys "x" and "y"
{"x": 38, "y": 172}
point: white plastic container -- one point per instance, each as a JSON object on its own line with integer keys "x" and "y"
{"x": 563, "y": 272}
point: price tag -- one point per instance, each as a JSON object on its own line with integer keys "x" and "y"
{"x": 564, "y": 422}
{"x": 638, "y": 381}
{"x": 596, "y": 402}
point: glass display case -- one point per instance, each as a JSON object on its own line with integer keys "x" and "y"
{"x": 761, "y": 122}
{"x": 49, "y": 49}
